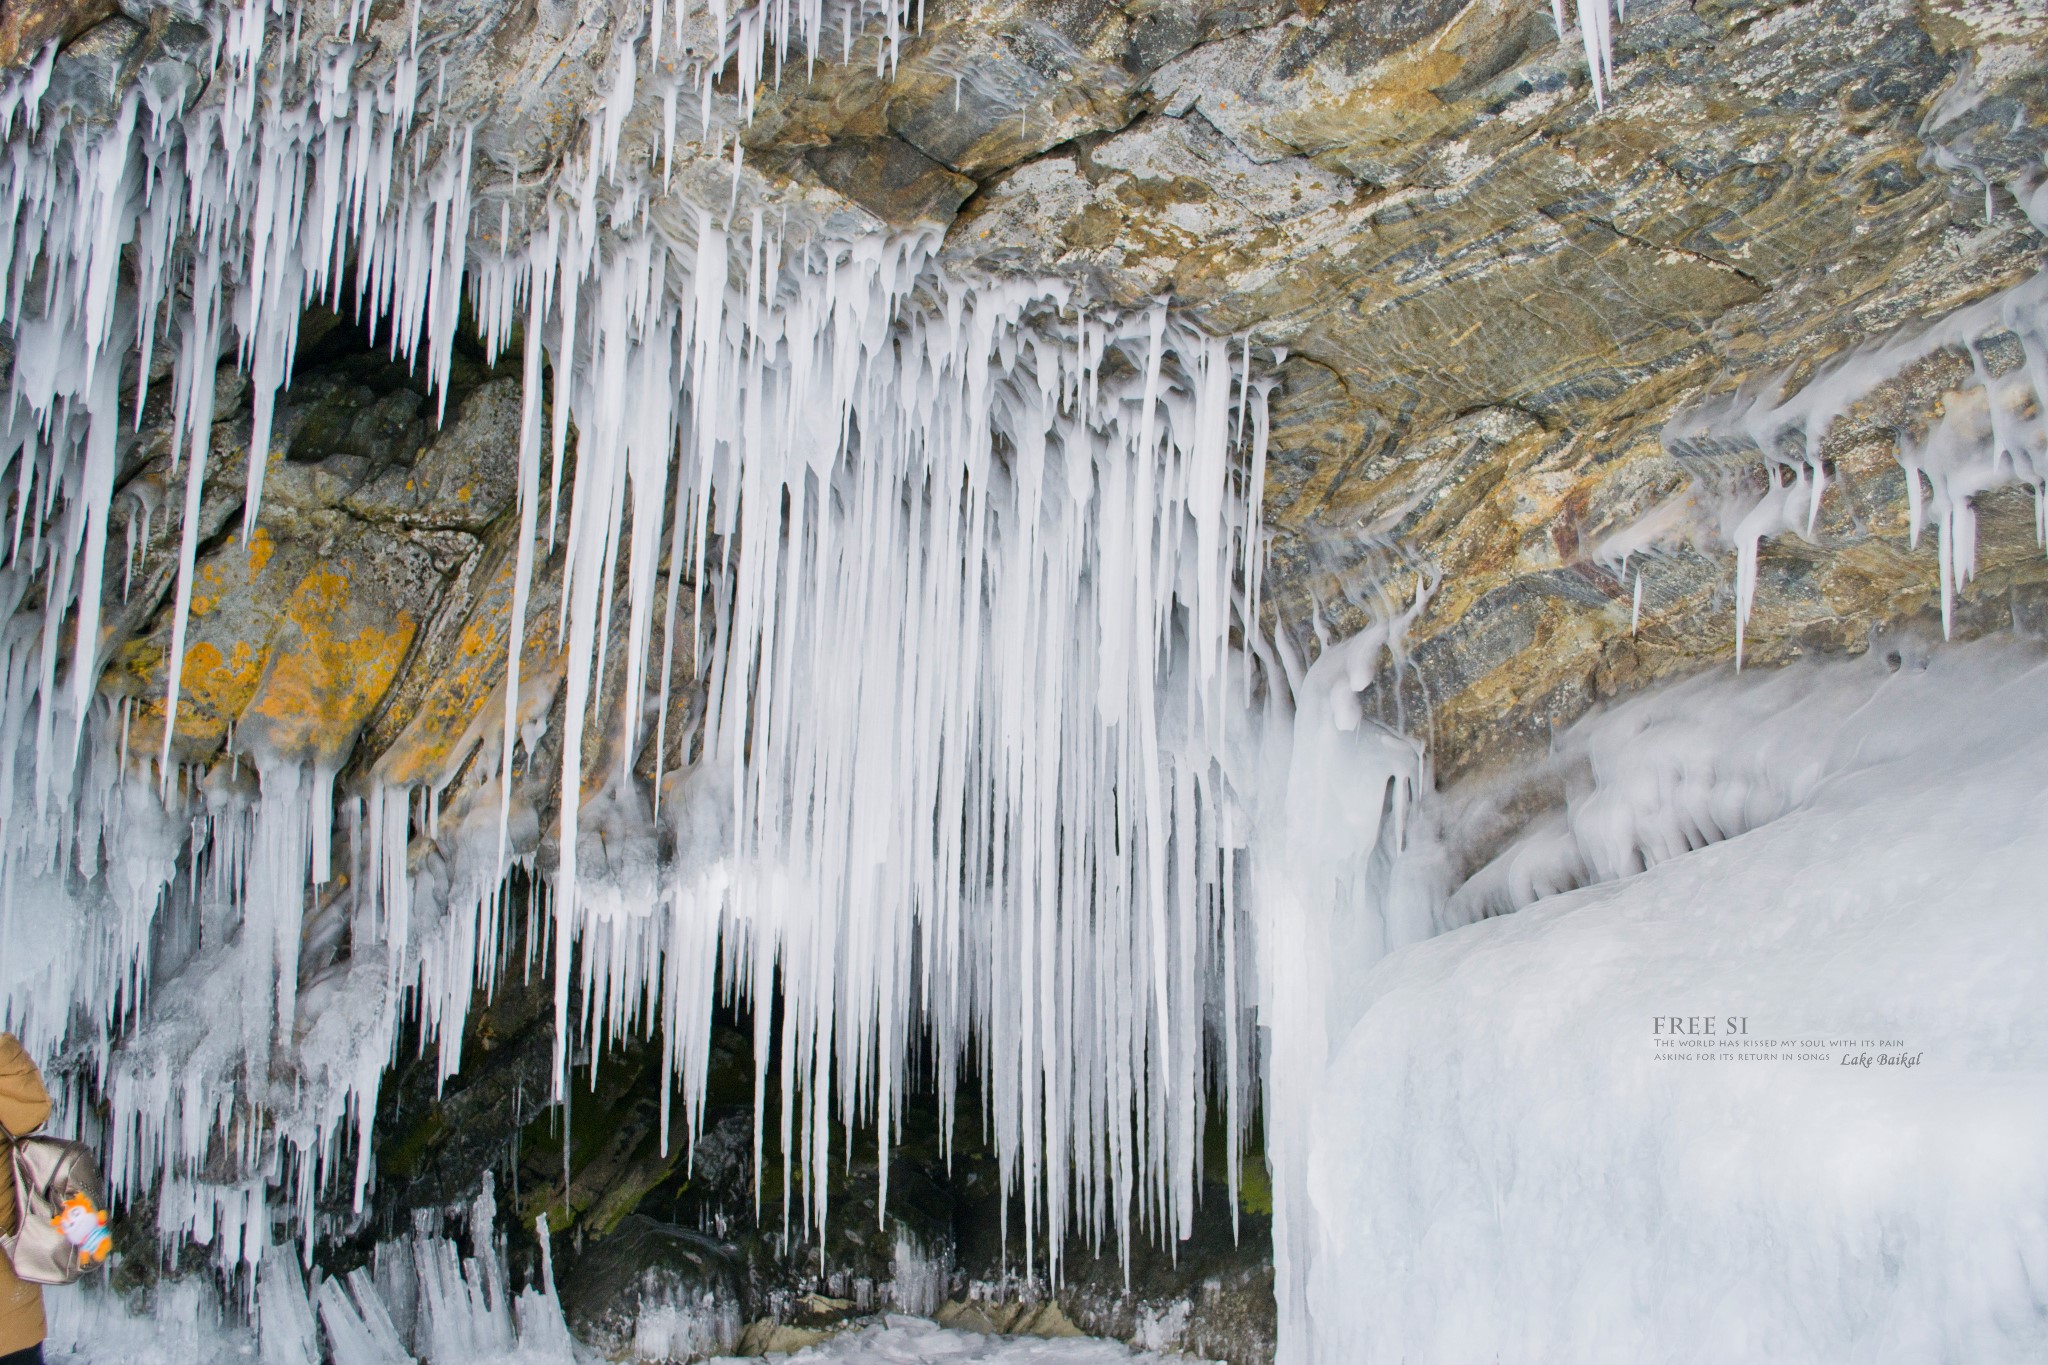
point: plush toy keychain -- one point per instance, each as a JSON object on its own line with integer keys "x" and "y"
{"x": 85, "y": 1227}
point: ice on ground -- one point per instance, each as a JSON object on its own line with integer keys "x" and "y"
{"x": 896, "y": 1340}
{"x": 1515, "y": 1159}
{"x": 185, "y": 1326}
{"x": 182, "y": 1325}
{"x": 421, "y": 1299}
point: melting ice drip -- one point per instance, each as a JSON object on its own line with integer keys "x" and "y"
{"x": 966, "y": 561}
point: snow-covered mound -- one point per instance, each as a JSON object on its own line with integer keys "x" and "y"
{"x": 1782, "y": 1096}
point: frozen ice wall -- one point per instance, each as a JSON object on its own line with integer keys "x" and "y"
{"x": 961, "y": 563}
{"x": 1515, "y": 1159}
{"x": 1333, "y": 802}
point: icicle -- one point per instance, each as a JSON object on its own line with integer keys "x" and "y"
{"x": 1596, "y": 33}
{"x": 668, "y": 132}
{"x": 732, "y": 205}
{"x": 1981, "y": 439}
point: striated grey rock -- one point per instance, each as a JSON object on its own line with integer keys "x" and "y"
{"x": 90, "y": 75}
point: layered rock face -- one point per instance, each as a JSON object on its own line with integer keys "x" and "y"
{"x": 1495, "y": 295}
{"x": 1492, "y": 311}
{"x": 1490, "y": 294}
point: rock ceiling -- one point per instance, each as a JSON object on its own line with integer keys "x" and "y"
{"x": 1486, "y": 295}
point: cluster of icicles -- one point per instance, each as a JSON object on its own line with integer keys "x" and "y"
{"x": 963, "y": 561}
{"x": 1596, "y": 32}
{"x": 1992, "y": 433}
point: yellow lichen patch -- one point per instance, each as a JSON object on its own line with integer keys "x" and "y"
{"x": 261, "y": 547}
{"x": 213, "y": 688}
{"x": 137, "y": 667}
{"x": 331, "y": 664}
{"x": 206, "y": 589}
{"x": 465, "y": 702}
{"x": 445, "y": 720}
{"x": 214, "y": 579}
{"x": 146, "y": 729}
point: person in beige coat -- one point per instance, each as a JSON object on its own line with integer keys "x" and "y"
{"x": 24, "y": 1105}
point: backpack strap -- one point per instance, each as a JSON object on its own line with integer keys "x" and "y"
{"x": 8, "y": 1235}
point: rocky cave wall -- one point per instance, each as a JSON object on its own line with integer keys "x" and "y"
{"x": 1486, "y": 297}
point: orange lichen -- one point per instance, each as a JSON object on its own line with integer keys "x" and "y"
{"x": 261, "y": 546}
{"x": 213, "y": 689}
{"x": 462, "y": 689}
{"x": 206, "y": 589}
{"x": 222, "y": 685}
{"x": 325, "y": 678}
{"x": 211, "y": 580}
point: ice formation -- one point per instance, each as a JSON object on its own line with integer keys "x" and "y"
{"x": 964, "y": 561}
{"x": 444, "y": 1296}
{"x": 421, "y": 1298}
{"x": 1992, "y": 433}
{"x": 96, "y": 1331}
{"x": 1333, "y": 795}
{"x": 1989, "y": 435}
{"x": 1847, "y": 858}
{"x": 184, "y": 1324}
{"x": 909, "y": 1341}
{"x": 1596, "y": 32}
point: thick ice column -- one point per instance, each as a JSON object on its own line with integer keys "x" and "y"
{"x": 1331, "y": 820}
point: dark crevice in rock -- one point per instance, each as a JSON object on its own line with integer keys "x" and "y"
{"x": 1729, "y": 266}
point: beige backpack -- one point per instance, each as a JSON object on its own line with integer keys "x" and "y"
{"x": 47, "y": 1171}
